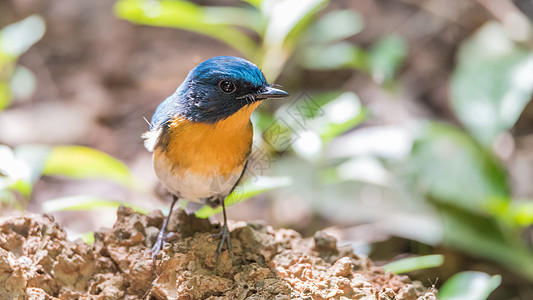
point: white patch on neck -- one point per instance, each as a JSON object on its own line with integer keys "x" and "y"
{"x": 151, "y": 138}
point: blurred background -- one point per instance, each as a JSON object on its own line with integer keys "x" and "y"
{"x": 408, "y": 133}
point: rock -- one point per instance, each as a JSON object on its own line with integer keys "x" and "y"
{"x": 37, "y": 262}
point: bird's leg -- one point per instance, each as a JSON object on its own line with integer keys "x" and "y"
{"x": 224, "y": 235}
{"x": 163, "y": 235}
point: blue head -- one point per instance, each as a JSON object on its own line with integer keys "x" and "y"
{"x": 216, "y": 89}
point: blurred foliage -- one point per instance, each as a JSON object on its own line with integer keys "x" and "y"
{"x": 381, "y": 61}
{"x": 473, "y": 175}
{"x": 414, "y": 263}
{"x": 85, "y": 203}
{"x": 492, "y": 83}
{"x": 469, "y": 286}
{"x": 458, "y": 172}
{"x": 21, "y": 167}
{"x": 470, "y": 188}
{"x": 278, "y": 29}
{"x": 245, "y": 191}
{"x": 15, "y": 39}
{"x": 285, "y": 28}
{"x": 88, "y": 237}
{"x": 84, "y": 162}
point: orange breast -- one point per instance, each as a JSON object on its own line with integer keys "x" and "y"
{"x": 210, "y": 149}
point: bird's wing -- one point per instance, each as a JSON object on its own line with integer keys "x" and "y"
{"x": 165, "y": 112}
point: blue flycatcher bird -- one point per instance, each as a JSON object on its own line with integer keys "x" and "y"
{"x": 201, "y": 136}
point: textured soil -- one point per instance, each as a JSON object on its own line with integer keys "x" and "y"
{"x": 38, "y": 262}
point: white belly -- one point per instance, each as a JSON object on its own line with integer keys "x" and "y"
{"x": 194, "y": 187}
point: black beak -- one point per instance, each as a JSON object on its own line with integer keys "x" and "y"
{"x": 270, "y": 92}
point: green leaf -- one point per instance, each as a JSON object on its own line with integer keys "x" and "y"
{"x": 15, "y": 173}
{"x": 17, "y": 38}
{"x": 342, "y": 114}
{"x": 337, "y": 116}
{"x": 256, "y": 3}
{"x": 390, "y": 143}
{"x": 520, "y": 212}
{"x": 285, "y": 16}
{"x": 10, "y": 167}
{"x": 386, "y": 56}
{"x": 84, "y": 203}
{"x": 309, "y": 146}
{"x": 23, "y": 83}
{"x": 7, "y": 198}
{"x": 492, "y": 82}
{"x": 236, "y": 16}
{"x": 451, "y": 168}
{"x": 414, "y": 263}
{"x": 336, "y": 56}
{"x": 286, "y": 22}
{"x": 469, "y": 285}
{"x": 24, "y": 187}
{"x": 5, "y": 95}
{"x": 335, "y": 26}
{"x": 249, "y": 189}
{"x": 483, "y": 236}
{"x": 34, "y": 156}
{"x": 84, "y": 162}
{"x": 88, "y": 237}
{"x": 311, "y": 122}
{"x": 189, "y": 16}
{"x": 516, "y": 213}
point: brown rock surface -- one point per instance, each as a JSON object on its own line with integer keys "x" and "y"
{"x": 37, "y": 262}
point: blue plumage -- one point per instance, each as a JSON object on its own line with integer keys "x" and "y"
{"x": 229, "y": 67}
{"x": 199, "y": 97}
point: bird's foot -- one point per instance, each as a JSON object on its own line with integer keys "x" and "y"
{"x": 225, "y": 238}
{"x": 163, "y": 238}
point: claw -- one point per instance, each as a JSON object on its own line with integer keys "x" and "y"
{"x": 224, "y": 234}
{"x": 225, "y": 238}
{"x": 163, "y": 236}
{"x": 162, "y": 240}
{"x": 158, "y": 245}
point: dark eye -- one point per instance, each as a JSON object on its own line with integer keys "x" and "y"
{"x": 227, "y": 86}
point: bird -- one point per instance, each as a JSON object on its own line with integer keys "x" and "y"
{"x": 201, "y": 136}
